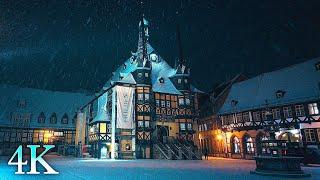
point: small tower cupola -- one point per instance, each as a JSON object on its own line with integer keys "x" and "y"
{"x": 181, "y": 78}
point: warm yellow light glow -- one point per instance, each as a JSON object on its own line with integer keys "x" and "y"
{"x": 47, "y": 134}
{"x": 219, "y": 137}
{"x": 229, "y": 134}
{"x": 103, "y": 128}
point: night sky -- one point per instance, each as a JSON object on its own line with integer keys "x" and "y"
{"x": 75, "y": 45}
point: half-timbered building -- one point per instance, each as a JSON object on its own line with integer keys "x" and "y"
{"x": 34, "y": 116}
{"x": 210, "y": 136}
{"x": 147, "y": 109}
{"x": 285, "y": 101}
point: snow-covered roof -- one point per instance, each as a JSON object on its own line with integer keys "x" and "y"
{"x": 160, "y": 69}
{"x": 299, "y": 83}
{"x": 196, "y": 90}
{"x": 38, "y": 101}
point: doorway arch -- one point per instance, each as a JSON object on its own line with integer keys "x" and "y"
{"x": 162, "y": 133}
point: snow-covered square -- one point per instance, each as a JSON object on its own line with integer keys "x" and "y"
{"x": 215, "y": 168}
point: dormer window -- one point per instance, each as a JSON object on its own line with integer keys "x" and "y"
{"x": 179, "y": 81}
{"x": 41, "y": 118}
{"x": 280, "y": 94}
{"x": 234, "y": 103}
{"x": 22, "y": 103}
{"x": 186, "y": 81}
{"x": 53, "y": 118}
{"x": 317, "y": 65}
{"x": 161, "y": 80}
{"x": 64, "y": 119}
{"x": 146, "y": 74}
{"x": 139, "y": 75}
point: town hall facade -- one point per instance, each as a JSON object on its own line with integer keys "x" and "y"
{"x": 147, "y": 109}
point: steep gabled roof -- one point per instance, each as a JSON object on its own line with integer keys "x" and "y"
{"x": 38, "y": 101}
{"x": 299, "y": 83}
{"x": 160, "y": 69}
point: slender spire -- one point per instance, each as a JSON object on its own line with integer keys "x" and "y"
{"x": 181, "y": 66}
{"x": 143, "y": 60}
{"x": 181, "y": 58}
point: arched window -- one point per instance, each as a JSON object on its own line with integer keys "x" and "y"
{"x": 259, "y": 138}
{"x": 53, "y": 118}
{"x": 41, "y": 118}
{"x": 235, "y": 145}
{"x": 248, "y": 142}
{"x": 64, "y": 119}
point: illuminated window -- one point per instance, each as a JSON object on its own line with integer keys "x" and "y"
{"x": 103, "y": 128}
{"x": 140, "y": 97}
{"x": 236, "y": 145}
{"x": 157, "y": 103}
{"x": 179, "y": 81}
{"x": 313, "y": 108}
{"x": 146, "y": 97}
{"x": 146, "y": 74}
{"x": 140, "y": 123}
{"x": 182, "y": 126}
{"x": 249, "y": 145}
{"x": 147, "y": 124}
{"x": 181, "y": 101}
{"x": 139, "y": 75}
{"x": 186, "y": 81}
{"x": 187, "y": 101}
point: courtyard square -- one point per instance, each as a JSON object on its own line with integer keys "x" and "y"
{"x": 215, "y": 168}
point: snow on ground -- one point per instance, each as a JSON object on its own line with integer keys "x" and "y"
{"x": 214, "y": 168}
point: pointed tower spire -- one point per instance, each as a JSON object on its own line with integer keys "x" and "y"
{"x": 143, "y": 60}
{"x": 181, "y": 66}
{"x": 181, "y": 58}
